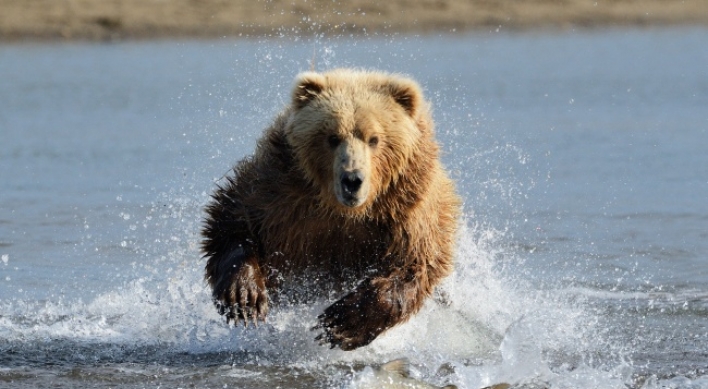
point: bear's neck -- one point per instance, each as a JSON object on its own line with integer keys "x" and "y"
{"x": 412, "y": 186}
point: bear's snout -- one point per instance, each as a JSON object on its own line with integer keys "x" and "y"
{"x": 352, "y": 187}
{"x": 352, "y": 168}
{"x": 351, "y": 182}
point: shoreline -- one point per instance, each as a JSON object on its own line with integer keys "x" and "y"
{"x": 116, "y": 20}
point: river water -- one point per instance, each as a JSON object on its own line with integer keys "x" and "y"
{"x": 582, "y": 158}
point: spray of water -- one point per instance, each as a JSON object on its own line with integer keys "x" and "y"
{"x": 485, "y": 325}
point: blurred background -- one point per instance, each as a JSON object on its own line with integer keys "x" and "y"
{"x": 117, "y": 19}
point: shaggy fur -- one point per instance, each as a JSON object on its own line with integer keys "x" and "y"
{"x": 345, "y": 190}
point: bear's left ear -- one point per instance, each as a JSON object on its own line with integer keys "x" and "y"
{"x": 307, "y": 86}
{"x": 406, "y": 93}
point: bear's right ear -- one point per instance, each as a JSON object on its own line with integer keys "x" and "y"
{"x": 307, "y": 86}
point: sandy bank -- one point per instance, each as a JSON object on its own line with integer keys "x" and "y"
{"x": 142, "y": 19}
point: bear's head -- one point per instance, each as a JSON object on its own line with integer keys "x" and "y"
{"x": 354, "y": 132}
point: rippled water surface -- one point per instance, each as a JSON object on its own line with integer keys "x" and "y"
{"x": 582, "y": 159}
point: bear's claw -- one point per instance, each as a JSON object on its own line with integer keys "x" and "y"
{"x": 337, "y": 332}
{"x": 244, "y": 298}
{"x": 352, "y": 322}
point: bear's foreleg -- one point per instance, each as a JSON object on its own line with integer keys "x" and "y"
{"x": 373, "y": 307}
{"x": 238, "y": 286}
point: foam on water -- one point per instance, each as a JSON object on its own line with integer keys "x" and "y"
{"x": 485, "y": 325}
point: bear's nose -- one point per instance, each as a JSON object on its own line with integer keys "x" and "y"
{"x": 351, "y": 182}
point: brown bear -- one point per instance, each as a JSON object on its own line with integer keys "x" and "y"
{"x": 345, "y": 192}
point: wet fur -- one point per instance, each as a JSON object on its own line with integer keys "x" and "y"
{"x": 277, "y": 220}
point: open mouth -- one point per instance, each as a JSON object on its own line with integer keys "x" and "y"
{"x": 350, "y": 201}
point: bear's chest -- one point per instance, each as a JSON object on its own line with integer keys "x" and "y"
{"x": 337, "y": 247}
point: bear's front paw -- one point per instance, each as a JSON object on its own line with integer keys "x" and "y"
{"x": 355, "y": 320}
{"x": 242, "y": 295}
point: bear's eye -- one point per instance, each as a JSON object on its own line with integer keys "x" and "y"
{"x": 333, "y": 141}
{"x": 373, "y": 141}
